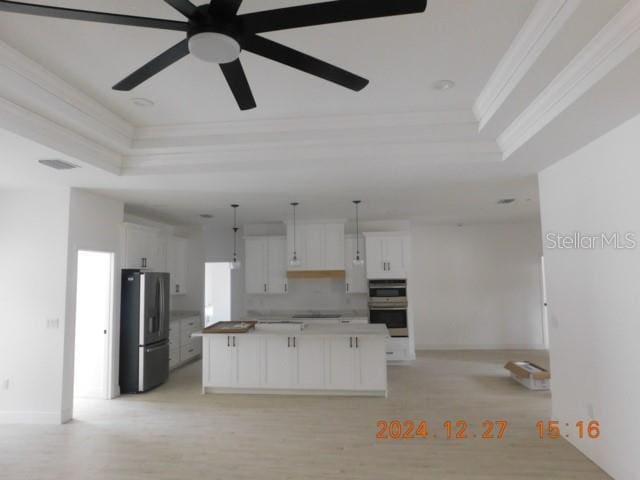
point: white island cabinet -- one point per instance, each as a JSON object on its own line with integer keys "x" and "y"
{"x": 319, "y": 359}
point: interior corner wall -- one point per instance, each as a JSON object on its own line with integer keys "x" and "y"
{"x": 477, "y": 286}
{"x": 594, "y": 295}
{"x": 94, "y": 224}
{"x": 34, "y": 236}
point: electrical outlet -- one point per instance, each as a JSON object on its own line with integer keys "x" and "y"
{"x": 6, "y": 383}
{"x": 53, "y": 323}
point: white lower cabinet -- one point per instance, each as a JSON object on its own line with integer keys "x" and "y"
{"x": 303, "y": 362}
{"x": 279, "y": 364}
{"x": 182, "y": 347}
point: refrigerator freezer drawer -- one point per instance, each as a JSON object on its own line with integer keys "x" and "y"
{"x": 153, "y": 366}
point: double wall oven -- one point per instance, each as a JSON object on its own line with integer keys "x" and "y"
{"x": 388, "y": 305}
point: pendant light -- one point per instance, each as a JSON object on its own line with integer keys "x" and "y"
{"x": 294, "y": 261}
{"x": 235, "y": 262}
{"x": 358, "y": 261}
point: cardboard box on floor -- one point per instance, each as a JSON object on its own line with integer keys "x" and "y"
{"x": 529, "y": 374}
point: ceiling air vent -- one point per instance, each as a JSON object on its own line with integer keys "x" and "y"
{"x": 58, "y": 164}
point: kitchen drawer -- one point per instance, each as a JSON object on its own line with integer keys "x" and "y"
{"x": 187, "y": 352}
{"x": 174, "y": 357}
{"x": 187, "y": 327}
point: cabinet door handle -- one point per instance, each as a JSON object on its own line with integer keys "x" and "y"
{"x": 286, "y": 287}
{"x": 348, "y": 287}
{"x": 234, "y": 341}
{"x": 356, "y": 342}
{"x": 228, "y": 341}
{"x": 350, "y": 342}
{"x": 143, "y": 262}
{"x": 265, "y": 288}
{"x": 288, "y": 342}
{"x": 294, "y": 342}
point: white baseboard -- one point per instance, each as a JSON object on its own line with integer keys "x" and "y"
{"x": 32, "y": 418}
{"x": 480, "y": 347}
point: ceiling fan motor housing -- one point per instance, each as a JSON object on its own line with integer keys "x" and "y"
{"x": 213, "y": 37}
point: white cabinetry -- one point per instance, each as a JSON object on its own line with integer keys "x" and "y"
{"x": 290, "y": 363}
{"x": 265, "y": 259}
{"x": 182, "y": 347}
{"x": 143, "y": 247}
{"x": 319, "y": 246}
{"x": 177, "y": 264}
{"x": 387, "y": 255}
{"x": 355, "y": 275}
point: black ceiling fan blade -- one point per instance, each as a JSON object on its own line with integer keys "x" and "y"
{"x": 185, "y": 7}
{"x": 101, "y": 17}
{"x": 301, "y": 61}
{"x": 237, "y": 80}
{"x": 226, "y": 7}
{"x": 328, "y": 12}
{"x": 156, "y": 65}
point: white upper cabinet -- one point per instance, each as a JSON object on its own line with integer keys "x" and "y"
{"x": 356, "y": 277}
{"x": 387, "y": 255}
{"x": 319, "y": 246}
{"x": 265, "y": 260}
{"x": 177, "y": 264}
{"x": 143, "y": 247}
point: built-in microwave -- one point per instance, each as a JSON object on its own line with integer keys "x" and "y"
{"x": 389, "y": 291}
{"x": 388, "y": 305}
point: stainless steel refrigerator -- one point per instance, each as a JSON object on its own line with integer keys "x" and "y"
{"x": 144, "y": 330}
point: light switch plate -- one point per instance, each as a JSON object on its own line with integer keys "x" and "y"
{"x": 53, "y": 323}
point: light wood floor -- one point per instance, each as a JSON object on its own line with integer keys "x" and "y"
{"x": 176, "y": 433}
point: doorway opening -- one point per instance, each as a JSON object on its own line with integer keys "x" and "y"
{"x": 217, "y": 292}
{"x": 94, "y": 319}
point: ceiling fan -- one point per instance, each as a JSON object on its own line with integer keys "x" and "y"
{"x": 216, "y": 33}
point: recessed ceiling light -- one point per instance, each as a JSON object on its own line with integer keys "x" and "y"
{"x": 58, "y": 164}
{"x": 506, "y": 201}
{"x": 206, "y": 216}
{"x": 142, "y": 102}
{"x": 443, "y": 85}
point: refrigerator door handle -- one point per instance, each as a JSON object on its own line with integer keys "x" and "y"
{"x": 157, "y": 347}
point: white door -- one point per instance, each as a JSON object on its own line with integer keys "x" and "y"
{"x": 278, "y": 362}
{"x": 221, "y": 361}
{"x": 334, "y": 247}
{"x": 255, "y": 265}
{"x": 341, "y": 363}
{"x": 371, "y": 368}
{"x": 277, "y": 265}
{"x": 247, "y": 353}
{"x": 309, "y": 352}
{"x": 94, "y": 301}
{"x": 375, "y": 260}
{"x": 394, "y": 252}
{"x": 545, "y": 311}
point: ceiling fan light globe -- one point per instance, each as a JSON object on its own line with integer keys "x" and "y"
{"x": 358, "y": 262}
{"x": 214, "y": 47}
{"x": 236, "y": 265}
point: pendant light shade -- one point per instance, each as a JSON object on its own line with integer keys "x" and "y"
{"x": 294, "y": 261}
{"x": 236, "y": 264}
{"x": 358, "y": 260}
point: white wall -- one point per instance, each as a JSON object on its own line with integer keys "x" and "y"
{"x": 34, "y": 227}
{"x": 476, "y": 286}
{"x": 94, "y": 224}
{"x": 594, "y": 296}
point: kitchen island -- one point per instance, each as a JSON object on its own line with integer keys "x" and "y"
{"x": 302, "y": 359}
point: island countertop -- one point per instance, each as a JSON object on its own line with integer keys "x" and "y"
{"x": 292, "y": 329}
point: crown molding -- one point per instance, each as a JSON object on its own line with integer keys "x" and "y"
{"x": 617, "y": 40}
{"x": 27, "y": 83}
{"x": 305, "y": 124}
{"x": 17, "y": 119}
{"x": 543, "y": 24}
